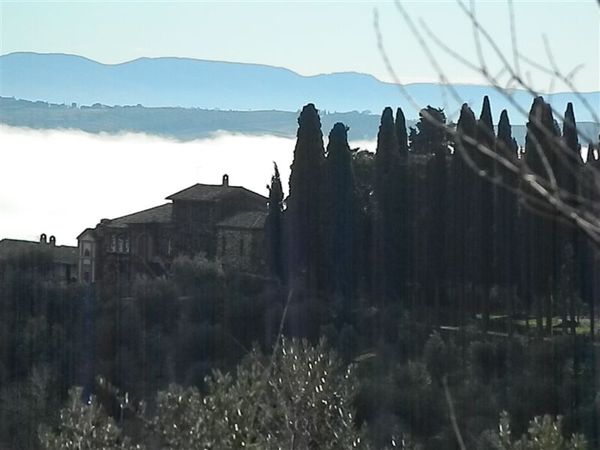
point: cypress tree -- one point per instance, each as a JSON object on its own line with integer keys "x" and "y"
{"x": 387, "y": 161}
{"x": 507, "y": 239}
{"x": 486, "y": 137}
{"x": 507, "y": 147}
{"x": 340, "y": 212}
{"x": 575, "y": 181}
{"x": 437, "y": 187}
{"x": 540, "y": 229}
{"x": 461, "y": 208}
{"x": 304, "y": 202}
{"x": 275, "y": 226}
{"x": 405, "y": 203}
{"x": 569, "y": 159}
{"x": 401, "y": 134}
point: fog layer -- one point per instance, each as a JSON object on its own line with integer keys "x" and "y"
{"x": 61, "y": 182}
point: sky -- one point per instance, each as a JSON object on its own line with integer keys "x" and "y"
{"x": 311, "y": 37}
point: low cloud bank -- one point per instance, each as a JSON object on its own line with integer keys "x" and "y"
{"x": 60, "y": 182}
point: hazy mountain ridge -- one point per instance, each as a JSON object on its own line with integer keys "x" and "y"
{"x": 193, "y": 83}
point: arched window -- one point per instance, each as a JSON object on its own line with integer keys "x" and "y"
{"x": 86, "y": 252}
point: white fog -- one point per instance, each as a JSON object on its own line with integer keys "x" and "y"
{"x": 61, "y": 182}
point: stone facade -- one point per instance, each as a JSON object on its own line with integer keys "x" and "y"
{"x": 210, "y": 219}
{"x": 241, "y": 242}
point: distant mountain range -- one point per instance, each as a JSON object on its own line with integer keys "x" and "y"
{"x": 193, "y": 83}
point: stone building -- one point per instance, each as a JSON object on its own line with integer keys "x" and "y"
{"x": 221, "y": 221}
{"x": 57, "y": 262}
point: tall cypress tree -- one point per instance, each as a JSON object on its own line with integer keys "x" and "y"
{"x": 574, "y": 182}
{"x": 404, "y": 193}
{"x": 486, "y": 137}
{"x": 387, "y": 161}
{"x": 507, "y": 147}
{"x": 461, "y": 209}
{"x": 401, "y": 133}
{"x": 436, "y": 240}
{"x": 340, "y": 211}
{"x": 506, "y": 218}
{"x": 275, "y": 226}
{"x": 304, "y": 202}
{"x": 540, "y": 229}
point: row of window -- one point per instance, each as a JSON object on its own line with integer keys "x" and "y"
{"x": 118, "y": 244}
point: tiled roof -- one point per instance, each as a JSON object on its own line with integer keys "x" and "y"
{"x": 63, "y": 254}
{"x": 210, "y": 192}
{"x": 247, "y": 220}
{"x": 158, "y": 214}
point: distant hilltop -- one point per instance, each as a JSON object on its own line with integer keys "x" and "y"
{"x": 194, "y": 83}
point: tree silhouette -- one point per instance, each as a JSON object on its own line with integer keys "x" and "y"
{"x": 401, "y": 134}
{"x": 486, "y": 136}
{"x": 275, "y": 226}
{"x": 340, "y": 212}
{"x": 304, "y": 201}
{"x": 387, "y": 162}
{"x": 507, "y": 238}
{"x": 430, "y": 133}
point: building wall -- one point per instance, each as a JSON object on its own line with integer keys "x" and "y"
{"x": 241, "y": 249}
{"x": 194, "y": 224}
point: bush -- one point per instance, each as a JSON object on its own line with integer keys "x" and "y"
{"x": 84, "y": 426}
{"x": 301, "y": 397}
{"x": 544, "y": 433}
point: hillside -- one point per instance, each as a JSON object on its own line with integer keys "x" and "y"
{"x": 192, "y": 123}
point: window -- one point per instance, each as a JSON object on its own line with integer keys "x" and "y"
{"x": 241, "y": 245}
{"x": 86, "y": 252}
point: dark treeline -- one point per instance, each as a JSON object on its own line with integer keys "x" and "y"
{"x": 432, "y": 224}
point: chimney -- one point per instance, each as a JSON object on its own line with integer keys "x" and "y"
{"x": 225, "y": 180}
{"x": 52, "y": 241}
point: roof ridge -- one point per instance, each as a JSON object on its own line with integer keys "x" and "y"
{"x": 142, "y": 211}
{"x": 215, "y": 189}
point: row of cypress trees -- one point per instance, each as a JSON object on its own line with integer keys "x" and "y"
{"x": 441, "y": 223}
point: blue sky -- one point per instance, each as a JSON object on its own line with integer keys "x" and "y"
{"x": 306, "y": 36}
